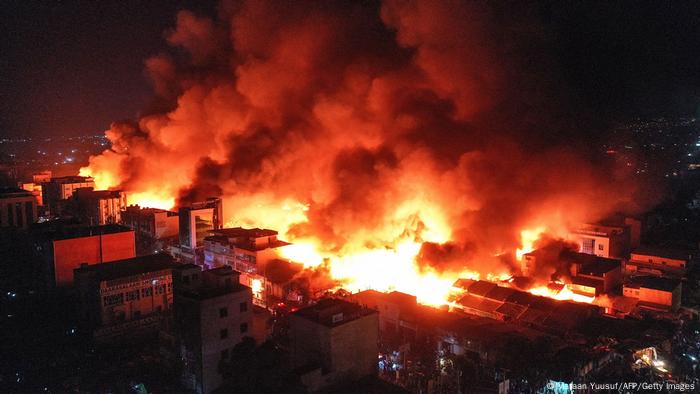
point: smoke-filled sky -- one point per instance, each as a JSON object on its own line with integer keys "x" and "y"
{"x": 361, "y": 126}
{"x": 72, "y": 67}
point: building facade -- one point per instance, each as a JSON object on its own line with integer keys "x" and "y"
{"x": 151, "y": 222}
{"x": 18, "y": 208}
{"x": 336, "y": 341}
{"x": 58, "y": 190}
{"x": 212, "y": 314}
{"x": 602, "y": 240}
{"x": 97, "y": 207}
{"x": 65, "y": 247}
{"x": 656, "y": 293}
{"x": 125, "y": 296}
{"x": 657, "y": 261}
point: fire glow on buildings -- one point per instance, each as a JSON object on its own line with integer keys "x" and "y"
{"x": 380, "y": 177}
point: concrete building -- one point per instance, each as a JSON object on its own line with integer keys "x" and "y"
{"x": 35, "y": 189}
{"x": 96, "y": 207}
{"x": 195, "y": 223}
{"x": 255, "y": 253}
{"x": 125, "y": 297}
{"x": 213, "y": 312}
{"x": 657, "y": 293}
{"x": 18, "y": 208}
{"x": 35, "y": 185}
{"x": 152, "y": 223}
{"x": 592, "y": 278}
{"x": 55, "y": 192}
{"x": 658, "y": 261}
{"x": 333, "y": 342}
{"x": 64, "y": 247}
{"x": 602, "y": 240}
{"x": 243, "y": 249}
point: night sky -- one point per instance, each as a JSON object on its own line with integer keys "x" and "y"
{"x": 71, "y": 68}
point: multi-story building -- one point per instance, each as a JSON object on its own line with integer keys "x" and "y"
{"x": 334, "y": 341}
{"x": 64, "y": 247}
{"x": 212, "y": 314}
{"x": 34, "y": 188}
{"x": 125, "y": 297}
{"x": 58, "y": 190}
{"x": 35, "y": 185}
{"x": 602, "y": 240}
{"x": 396, "y": 311}
{"x": 95, "y": 207}
{"x": 195, "y": 222}
{"x": 658, "y": 261}
{"x": 592, "y": 278}
{"x": 657, "y": 293}
{"x": 255, "y": 253}
{"x": 243, "y": 249}
{"x": 18, "y": 208}
{"x": 152, "y": 223}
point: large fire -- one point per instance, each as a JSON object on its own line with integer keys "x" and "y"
{"x": 384, "y": 141}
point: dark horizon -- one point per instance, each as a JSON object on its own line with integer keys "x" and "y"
{"x": 72, "y": 68}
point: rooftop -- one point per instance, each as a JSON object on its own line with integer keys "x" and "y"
{"x": 90, "y": 193}
{"x": 588, "y": 282}
{"x": 147, "y": 210}
{"x": 236, "y": 232}
{"x": 129, "y": 267}
{"x": 599, "y": 230}
{"x": 333, "y": 312}
{"x": 653, "y": 282}
{"x": 657, "y": 251}
{"x": 6, "y": 192}
{"x": 481, "y": 287}
{"x": 59, "y": 229}
{"x": 600, "y": 266}
{"x": 71, "y": 179}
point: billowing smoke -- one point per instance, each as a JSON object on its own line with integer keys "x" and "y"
{"x": 355, "y": 125}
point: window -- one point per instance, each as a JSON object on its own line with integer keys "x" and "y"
{"x": 186, "y": 279}
{"x": 223, "y": 334}
{"x": 244, "y": 328}
{"x": 132, "y": 295}
{"x": 600, "y": 246}
{"x": 147, "y": 292}
{"x": 114, "y": 299}
{"x": 244, "y": 306}
{"x": 223, "y": 312}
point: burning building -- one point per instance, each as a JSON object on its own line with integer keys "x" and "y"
{"x": 365, "y": 135}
